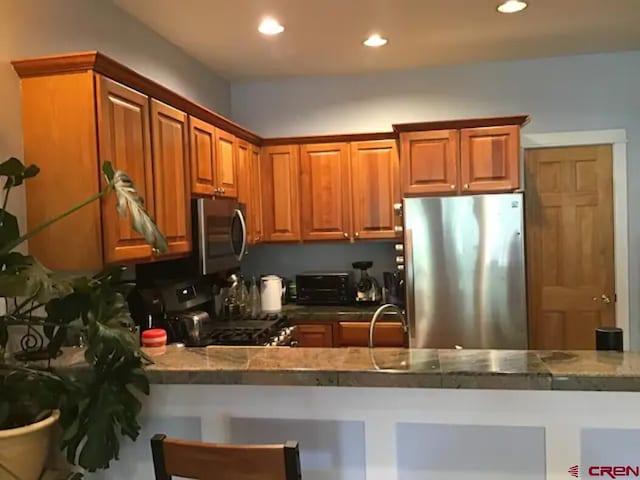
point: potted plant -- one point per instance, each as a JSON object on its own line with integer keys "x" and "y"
{"x": 96, "y": 406}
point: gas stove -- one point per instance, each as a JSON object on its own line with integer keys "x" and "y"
{"x": 270, "y": 332}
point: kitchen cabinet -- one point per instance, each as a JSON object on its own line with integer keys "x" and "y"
{"x": 325, "y": 191}
{"x": 202, "y": 151}
{"x": 226, "y": 164}
{"x": 461, "y": 156}
{"x": 356, "y": 334}
{"x": 249, "y": 191}
{"x": 170, "y": 153}
{"x": 376, "y": 187}
{"x": 318, "y": 335}
{"x": 430, "y": 162}
{"x": 280, "y": 179}
{"x": 125, "y": 141}
{"x": 489, "y": 159}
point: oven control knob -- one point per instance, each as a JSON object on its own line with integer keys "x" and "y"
{"x": 400, "y": 260}
{"x": 399, "y": 248}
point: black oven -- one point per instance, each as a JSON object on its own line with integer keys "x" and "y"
{"x": 320, "y": 288}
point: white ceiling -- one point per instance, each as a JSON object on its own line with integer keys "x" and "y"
{"x": 324, "y": 36}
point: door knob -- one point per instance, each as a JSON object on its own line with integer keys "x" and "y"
{"x": 605, "y": 298}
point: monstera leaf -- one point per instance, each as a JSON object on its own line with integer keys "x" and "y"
{"x": 130, "y": 201}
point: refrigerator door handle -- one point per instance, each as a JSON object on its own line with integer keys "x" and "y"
{"x": 409, "y": 284}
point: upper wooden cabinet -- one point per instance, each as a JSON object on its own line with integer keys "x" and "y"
{"x": 461, "y": 156}
{"x": 325, "y": 191}
{"x": 226, "y": 170}
{"x": 280, "y": 172}
{"x": 125, "y": 141}
{"x": 203, "y": 153}
{"x": 249, "y": 191}
{"x": 169, "y": 131}
{"x": 376, "y": 187}
{"x": 489, "y": 159}
{"x": 429, "y": 162}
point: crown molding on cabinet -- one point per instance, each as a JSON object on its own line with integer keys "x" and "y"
{"x": 104, "y": 65}
{"x": 334, "y": 138}
{"x": 519, "y": 120}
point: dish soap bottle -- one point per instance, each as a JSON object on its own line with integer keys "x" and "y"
{"x": 254, "y": 299}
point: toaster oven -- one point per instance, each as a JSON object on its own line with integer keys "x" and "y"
{"x": 324, "y": 288}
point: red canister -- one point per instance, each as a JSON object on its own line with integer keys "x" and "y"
{"x": 154, "y": 338}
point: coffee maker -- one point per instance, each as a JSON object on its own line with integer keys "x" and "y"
{"x": 394, "y": 287}
{"x": 367, "y": 288}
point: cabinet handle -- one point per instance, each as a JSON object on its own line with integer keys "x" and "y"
{"x": 346, "y": 235}
{"x": 222, "y": 190}
{"x": 466, "y": 186}
{"x": 155, "y": 251}
{"x": 357, "y": 235}
{"x": 452, "y": 186}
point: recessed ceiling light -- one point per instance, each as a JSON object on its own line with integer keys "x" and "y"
{"x": 512, "y": 6}
{"x": 270, "y": 26}
{"x": 375, "y": 40}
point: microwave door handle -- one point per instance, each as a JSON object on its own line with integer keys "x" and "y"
{"x": 243, "y": 224}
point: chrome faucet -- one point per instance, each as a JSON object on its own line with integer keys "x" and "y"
{"x": 381, "y": 309}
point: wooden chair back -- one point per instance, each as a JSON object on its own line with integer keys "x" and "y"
{"x": 212, "y": 461}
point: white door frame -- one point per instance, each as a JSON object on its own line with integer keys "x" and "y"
{"x": 618, "y": 140}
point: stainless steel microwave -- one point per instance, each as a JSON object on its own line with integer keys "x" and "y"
{"x": 219, "y": 235}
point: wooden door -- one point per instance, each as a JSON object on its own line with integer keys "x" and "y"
{"x": 489, "y": 159}
{"x": 226, "y": 164}
{"x": 202, "y": 153}
{"x": 280, "y": 172}
{"x": 356, "y": 334}
{"x": 245, "y": 184}
{"x": 256, "y": 198}
{"x": 375, "y": 175}
{"x": 169, "y": 132}
{"x": 569, "y": 248}
{"x": 429, "y": 162}
{"x": 125, "y": 140}
{"x": 325, "y": 193}
{"x": 319, "y": 335}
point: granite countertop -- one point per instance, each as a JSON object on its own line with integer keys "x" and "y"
{"x": 338, "y": 313}
{"x": 391, "y": 367}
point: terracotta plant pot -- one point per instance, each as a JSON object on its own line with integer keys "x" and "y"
{"x": 24, "y": 450}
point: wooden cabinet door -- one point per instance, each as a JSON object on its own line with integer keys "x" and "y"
{"x": 314, "y": 335}
{"x": 169, "y": 132}
{"x": 202, "y": 153}
{"x": 376, "y": 187}
{"x": 256, "y": 198}
{"x": 325, "y": 193}
{"x": 226, "y": 164}
{"x": 356, "y": 334}
{"x": 125, "y": 141}
{"x": 280, "y": 172}
{"x": 489, "y": 159}
{"x": 429, "y": 162}
{"x": 246, "y": 194}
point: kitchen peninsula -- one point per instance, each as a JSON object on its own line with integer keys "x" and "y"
{"x": 478, "y": 404}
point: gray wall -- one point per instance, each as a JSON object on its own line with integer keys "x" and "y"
{"x": 561, "y": 94}
{"x": 44, "y": 27}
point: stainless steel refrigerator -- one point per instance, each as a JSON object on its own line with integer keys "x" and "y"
{"x": 465, "y": 271}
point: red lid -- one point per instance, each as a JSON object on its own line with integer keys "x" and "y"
{"x": 154, "y": 333}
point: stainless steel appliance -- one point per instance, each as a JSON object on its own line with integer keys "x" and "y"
{"x": 394, "y": 287}
{"x": 367, "y": 288}
{"x": 219, "y": 236}
{"x": 324, "y": 288}
{"x": 464, "y": 269}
